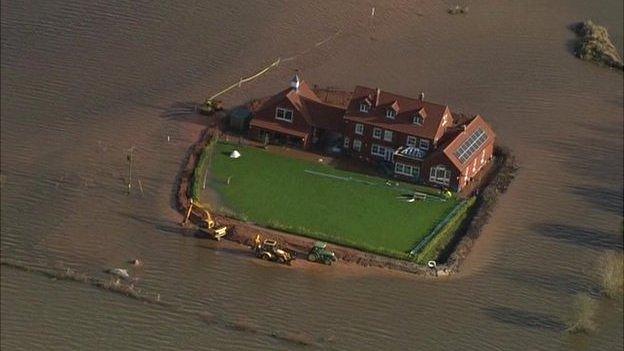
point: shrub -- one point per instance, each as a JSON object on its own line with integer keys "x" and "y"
{"x": 611, "y": 269}
{"x": 594, "y": 44}
{"x": 581, "y": 319}
{"x": 440, "y": 241}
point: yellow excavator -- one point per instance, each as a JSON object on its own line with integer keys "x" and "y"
{"x": 206, "y": 224}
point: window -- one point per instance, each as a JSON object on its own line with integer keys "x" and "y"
{"x": 388, "y": 135}
{"x": 406, "y": 170}
{"x": 418, "y": 120}
{"x": 359, "y": 128}
{"x": 411, "y": 140}
{"x": 390, "y": 113}
{"x": 440, "y": 174}
{"x": 483, "y": 157}
{"x": 444, "y": 121}
{"x": 378, "y": 150}
{"x": 364, "y": 107}
{"x": 346, "y": 143}
{"x": 357, "y": 145}
{"x": 474, "y": 167}
{"x": 424, "y": 144}
{"x": 377, "y": 133}
{"x": 284, "y": 114}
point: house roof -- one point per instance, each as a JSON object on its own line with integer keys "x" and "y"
{"x": 276, "y": 127}
{"x": 314, "y": 111}
{"x": 406, "y": 109}
{"x": 338, "y": 98}
{"x": 462, "y": 136}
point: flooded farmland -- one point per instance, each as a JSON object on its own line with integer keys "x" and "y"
{"x": 82, "y": 83}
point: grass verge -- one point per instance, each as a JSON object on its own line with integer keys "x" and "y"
{"x": 442, "y": 238}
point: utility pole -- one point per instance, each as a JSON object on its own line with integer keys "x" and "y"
{"x": 130, "y": 158}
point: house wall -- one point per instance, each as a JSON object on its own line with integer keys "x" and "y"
{"x": 269, "y": 113}
{"x": 476, "y": 163}
{"x": 367, "y": 139}
{"x": 439, "y": 158}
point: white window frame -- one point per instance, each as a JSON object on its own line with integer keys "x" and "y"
{"x": 406, "y": 170}
{"x": 359, "y": 128}
{"x": 285, "y": 112}
{"x": 364, "y": 107}
{"x": 377, "y": 133}
{"x": 390, "y": 113}
{"x": 424, "y": 144}
{"x": 357, "y": 145}
{"x": 435, "y": 178}
{"x": 418, "y": 120}
{"x": 412, "y": 143}
{"x": 378, "y": 150}
{"x": 346, "y": 143}
{"x": 388, "y": 135}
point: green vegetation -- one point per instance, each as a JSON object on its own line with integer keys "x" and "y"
{"x": 583, "y": 312}
{"x": 442, "y": 238}
{"x": 594, "y": 44}
{"x": 201, "y": 169}
{"x": 319, "y": 201}
{"x": 611, "y": 268}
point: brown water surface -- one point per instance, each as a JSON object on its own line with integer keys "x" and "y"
{"x": 83, "y": 82}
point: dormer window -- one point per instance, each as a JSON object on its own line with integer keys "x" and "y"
{"x": 390, "y": 113}
{"x": 418, "y": 120}
{"x": 284, "y": 114}
{"x": 364, "y": 107}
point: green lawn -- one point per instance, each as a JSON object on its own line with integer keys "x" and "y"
{"x": 361, "y": 212}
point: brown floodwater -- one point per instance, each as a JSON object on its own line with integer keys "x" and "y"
{"x": 83, "y": 82}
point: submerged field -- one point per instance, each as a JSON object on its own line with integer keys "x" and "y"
{"x": 319, "y": 201}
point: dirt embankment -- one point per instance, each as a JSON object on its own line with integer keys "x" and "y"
{"x": 499, "y": 178}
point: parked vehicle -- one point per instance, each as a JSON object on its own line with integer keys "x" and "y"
{"x": 319, "y": 253}
{"x": 270, "y": 251}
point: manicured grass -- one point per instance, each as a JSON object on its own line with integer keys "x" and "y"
{"x": 362, "y": 212}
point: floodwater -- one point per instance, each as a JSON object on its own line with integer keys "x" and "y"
{"x": 84, "y": 82}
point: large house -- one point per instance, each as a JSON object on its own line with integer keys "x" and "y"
{"x": 416, "y": 140}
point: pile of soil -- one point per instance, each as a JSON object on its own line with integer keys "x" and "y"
{"x": 594, "y": 44}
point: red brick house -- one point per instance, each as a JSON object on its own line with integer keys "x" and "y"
{"x": 414, "y": 139}
{"x": 295, "y": 116}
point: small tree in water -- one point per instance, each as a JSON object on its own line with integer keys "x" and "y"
{"x": 611, "y": 269}
{"x": 582, "y": 316}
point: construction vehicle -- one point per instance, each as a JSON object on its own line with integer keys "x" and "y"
{"x": 270, "y": 251}
{"x": 206, "y": 224}
{"x": 210, "y": 106}
{"x": 319, "y": 253}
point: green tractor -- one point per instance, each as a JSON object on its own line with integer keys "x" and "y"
{"x": 319, "y": 253}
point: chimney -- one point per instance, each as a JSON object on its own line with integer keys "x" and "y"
{"x": 421, "y": 97}
{"x": 377, "y": 97}
{"x": 294, "y": 83}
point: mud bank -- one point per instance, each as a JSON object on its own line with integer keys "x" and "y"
{"x": 496, "y": 181}
{"x": 66, "y": 273}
